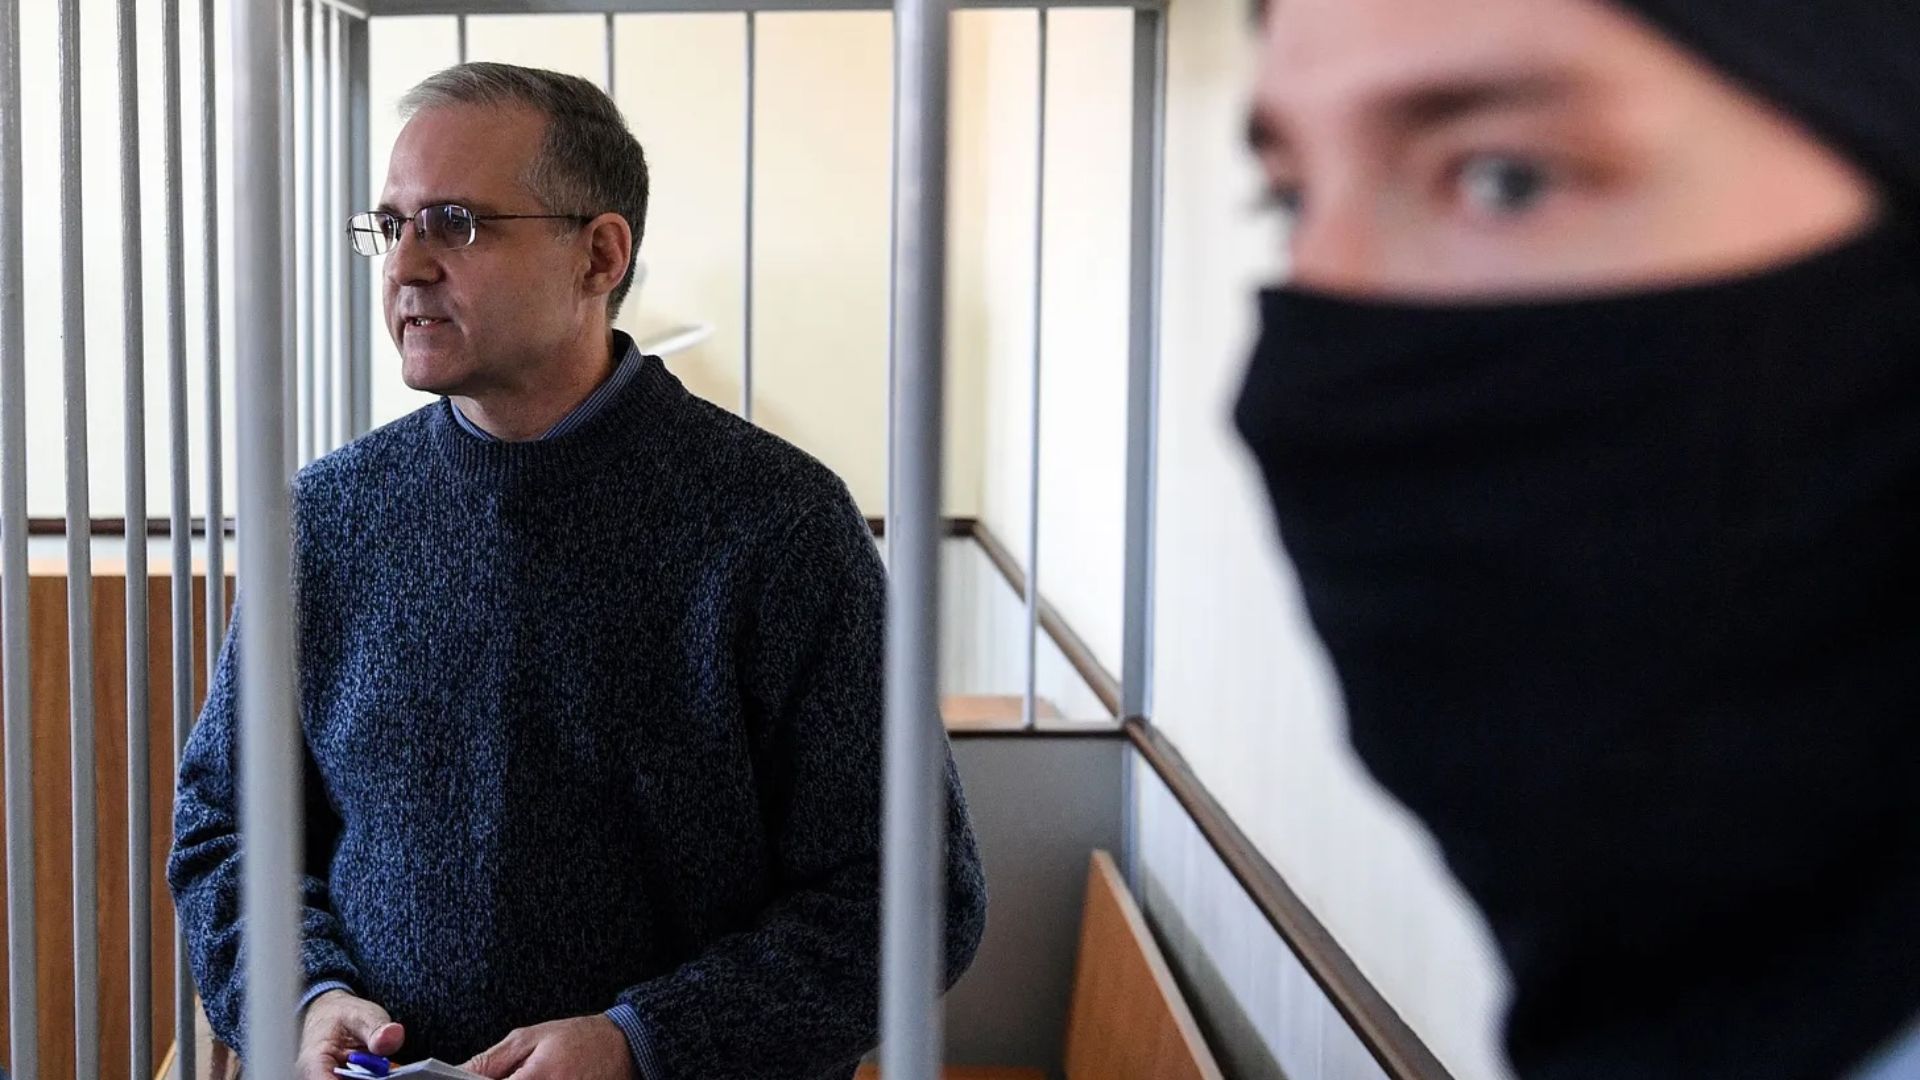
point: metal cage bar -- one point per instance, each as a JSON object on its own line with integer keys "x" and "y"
{"x": 359, "y": 195}
{"x": 291, "y": 233}
{"x": 750, "y": 165}
{"x": 1028, "y": 699}
{"x": 333, "y": 234}
{"x": 139, "y": 957}
{"x": 269, "y": 743}
{"x": 1143, "y": 382}
{"x": 23, "y": 1011}
{"x": 306, "y": 176}
{"x": 180, "y": 517}
{"x": 86, "y": 942}
{"x": 912, "y": 900}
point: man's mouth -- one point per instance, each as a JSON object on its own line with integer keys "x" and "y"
{"x": 425, "y": 320}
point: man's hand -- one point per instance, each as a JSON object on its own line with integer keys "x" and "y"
{"x": 584, "y": 1048}
{"x": 337, "y": 1022}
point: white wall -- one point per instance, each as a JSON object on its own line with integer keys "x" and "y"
{"x": 1241, "y": 685}
{"x": 105, "y": 285}
{"x": 1083, "y": 341}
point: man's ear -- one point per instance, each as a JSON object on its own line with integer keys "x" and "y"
{"x": 609, "y": 253}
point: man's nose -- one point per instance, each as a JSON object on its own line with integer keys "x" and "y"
{"x": 412, "y": 262}
{"x": 1337, "y": 249}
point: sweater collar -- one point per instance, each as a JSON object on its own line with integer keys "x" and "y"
{"x": 630, "y": 421}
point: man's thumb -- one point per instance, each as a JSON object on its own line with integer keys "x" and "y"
{"x": 384, "y": 1037}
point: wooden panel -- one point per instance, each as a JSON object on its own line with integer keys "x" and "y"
{"x": 53, "y": 829}
{"x": 1129, "y": 1021}
{"x": 991, "y": 712}
{"x": 211, "y": 1060}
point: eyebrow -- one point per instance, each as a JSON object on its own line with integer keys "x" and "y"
{"x": 1436, "y": 103}
{"x": 1433, "y": 102}
{"x": 437, "y": 200}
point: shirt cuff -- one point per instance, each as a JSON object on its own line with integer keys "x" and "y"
{"x": 627, "y": 1019}
{"x": 316, "y": 990}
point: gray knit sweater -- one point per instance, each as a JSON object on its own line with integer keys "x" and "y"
{"x": 592, "y": 725}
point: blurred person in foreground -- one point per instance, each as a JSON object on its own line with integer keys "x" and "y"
{"x": 1591, "y": 419}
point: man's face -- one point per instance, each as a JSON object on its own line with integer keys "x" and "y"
{"x": 498, "y": 308}
{"x": 1457, "y": 149}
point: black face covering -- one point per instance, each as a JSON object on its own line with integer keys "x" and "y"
{"x": 1624, "y": 596}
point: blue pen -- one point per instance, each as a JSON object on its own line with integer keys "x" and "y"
{"x": 373, "y": 1063}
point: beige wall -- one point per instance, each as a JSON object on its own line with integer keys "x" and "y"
{"x": 1083, "y": 339}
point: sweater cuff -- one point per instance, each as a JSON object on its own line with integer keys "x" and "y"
{"x": 316, "y": 990}
{"x": 639, "y": 1042}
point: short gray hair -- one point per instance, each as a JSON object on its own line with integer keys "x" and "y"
{"x": 590, "y": 163}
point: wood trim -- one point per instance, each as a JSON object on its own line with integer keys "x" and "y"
{"x": 952, "y": 527}
{"x": 1081, "y": 731}
{"x": 53, "y": 526}
{"x": 1379, "y": 1027}
{"x": 1104, "y": 685}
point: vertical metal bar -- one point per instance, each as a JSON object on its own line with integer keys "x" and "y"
{"x": 210, "y": 226}
{"x": 305, "y": 279}
{"x": 609, "y": 38}
{"x": 746, "y": 319}
{"x": 893, "y": 303}
{"x": 23, "y": 1004}
{"x": 139, "y": 716}
{"x": 320, "y": 156}
{"x": 180, "y": 530}
{"x": 1028, "y": 712}
{"x": 291, "y": 233}
{"x": 912, "y": 900}
{"x": 333, "y": 235}
{"x": 359, "y": 193}
{"x": 1143, "y": 351}
{"x": 1143, "y": 378}
{"x": 269, "y": 774}
{"x": 461, "y": 30}
{"x": 86, "y": 944}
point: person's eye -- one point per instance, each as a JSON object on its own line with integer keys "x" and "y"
{"x": 1503, "y": 185}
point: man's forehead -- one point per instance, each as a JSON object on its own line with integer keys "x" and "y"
{"x": 480, "y": 150}
{"x": 1407, "y": 62}
{"x": 1354, "y": 48}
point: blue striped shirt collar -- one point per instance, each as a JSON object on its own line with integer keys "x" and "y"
{"x": 625, "y": 370}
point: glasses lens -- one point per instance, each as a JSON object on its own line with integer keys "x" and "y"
{"x": 447, "y": 226}
{"x": 371, "y": 233}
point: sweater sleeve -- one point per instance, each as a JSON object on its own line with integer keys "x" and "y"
{"x": 203, "y": 869}
{"x": 797, "y": 994}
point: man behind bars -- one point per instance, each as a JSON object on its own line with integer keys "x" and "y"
{"x": 590, "y": 670}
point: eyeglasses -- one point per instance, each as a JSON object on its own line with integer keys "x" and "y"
{"x": 447, "y": 226}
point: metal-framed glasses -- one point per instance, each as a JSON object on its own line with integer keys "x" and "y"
{"x": 447, "y": 226}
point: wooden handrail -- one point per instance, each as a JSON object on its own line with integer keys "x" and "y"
{"x": 1379, "y": 1027}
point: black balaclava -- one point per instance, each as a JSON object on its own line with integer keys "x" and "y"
{"x": 1623, "y": 593}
